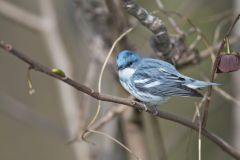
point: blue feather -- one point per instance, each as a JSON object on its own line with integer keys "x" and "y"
{"x": 153, "y": 81}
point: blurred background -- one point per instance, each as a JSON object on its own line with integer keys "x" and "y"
{"x": 76, "y": 36}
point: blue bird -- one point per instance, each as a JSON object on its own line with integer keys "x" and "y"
{"x": 154, "y": 81}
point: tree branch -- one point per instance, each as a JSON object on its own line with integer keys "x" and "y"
{"x": 204, "y": 54}
{"x": 154, "y": 24}
{"x": 209, "y": 93}
{"x": 104, "y": 97}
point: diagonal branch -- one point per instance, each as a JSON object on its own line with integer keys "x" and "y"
{"x": 209, "y": 93}
{"x": 204, "y": 54}
{"x": 153, "y": 23}
{"x": 104, "y": 97}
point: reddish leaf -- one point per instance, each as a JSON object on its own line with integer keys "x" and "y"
{"x": 228, "y": 63}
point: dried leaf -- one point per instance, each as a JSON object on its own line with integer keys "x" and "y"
{"x": 228, "y": 63}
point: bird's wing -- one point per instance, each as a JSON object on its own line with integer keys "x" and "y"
{"x": 160, "y": 78}
{"x": 147, "y": 63}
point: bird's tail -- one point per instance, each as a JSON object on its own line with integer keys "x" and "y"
{"x": 200, "y": 84}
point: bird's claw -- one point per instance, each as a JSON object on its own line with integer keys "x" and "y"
{"x": 145, "y": 107}
{"x": 155, "y": 112}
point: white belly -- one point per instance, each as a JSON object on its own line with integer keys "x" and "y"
{"x": 126, "y": 74}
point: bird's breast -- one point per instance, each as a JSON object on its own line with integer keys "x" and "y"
{"x": 126, "y": 74}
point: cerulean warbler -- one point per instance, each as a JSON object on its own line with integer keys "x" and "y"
{"x": 153, "y": 81}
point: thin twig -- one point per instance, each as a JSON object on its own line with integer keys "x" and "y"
{"x": 170, "y": 19}
{"x": 118, "y": 142}
{"x": 205, "y": 114}
{"x": 112, "y": 113}
{"x": 219, "y": 16}
{"x": 84, "y": 133}
{"x": 200, "y": 36}
{"x": 85, "y": 99}
{"x": 195, "y": 42}
{"x": 102, "y": 70}
{"x": 218, "y": 29}
{"x": 200, "y": 104}
{"x": 226, "y": 95}
{"x": 199, "y": 132}
{"x": 99, "y": 91}
{"x": 104, "y": 97}
{"x": 190, "y": 60}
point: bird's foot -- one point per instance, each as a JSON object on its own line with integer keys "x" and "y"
{"x": 145, "y": 107}
{"x": 155, "y": 111}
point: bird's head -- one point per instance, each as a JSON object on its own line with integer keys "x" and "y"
{"x": 126, "y": 59}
